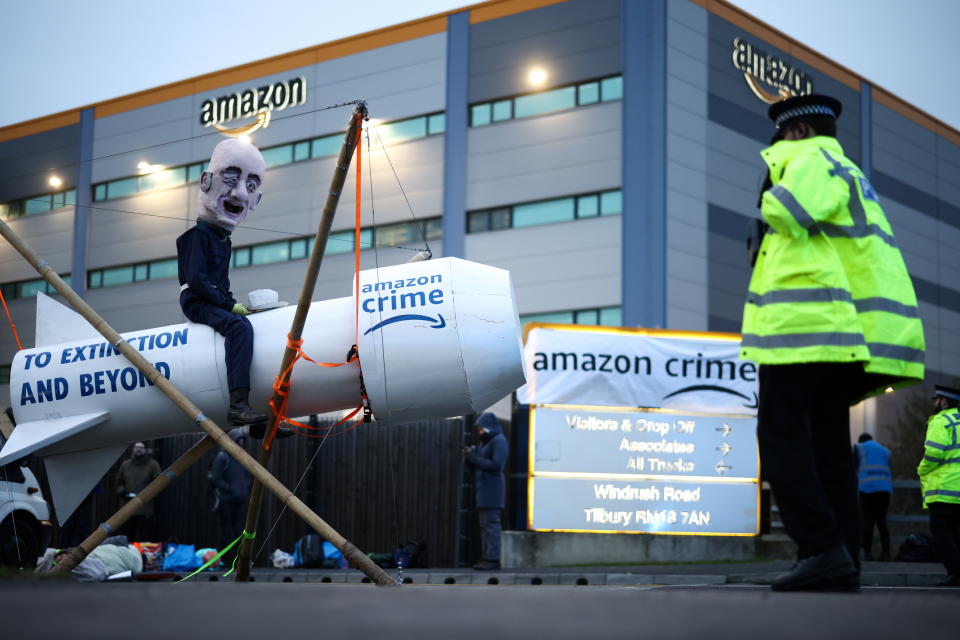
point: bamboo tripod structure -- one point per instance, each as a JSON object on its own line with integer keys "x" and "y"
{"x": 214, "y": 433}
{"x": 350, "y": 141}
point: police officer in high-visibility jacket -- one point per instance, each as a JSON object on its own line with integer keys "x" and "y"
{"x": 939, "y": 473}
{"x": 875, "y": 482}
{"x": 831, "y": 317}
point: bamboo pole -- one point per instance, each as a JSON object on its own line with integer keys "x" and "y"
{"x": 127, "y": 511}
{"x": 219, "y": 436}
{"x": 299, "y": 320}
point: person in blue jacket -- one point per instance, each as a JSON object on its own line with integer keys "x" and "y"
{"x": 488, "y": 460}
{"x": 876, "y": 487}
{"x": 229, "y": 190}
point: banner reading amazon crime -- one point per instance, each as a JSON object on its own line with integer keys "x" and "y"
{"x": 603, "y": 366}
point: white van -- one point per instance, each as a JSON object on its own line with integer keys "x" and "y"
{"x": 25, "y": 527}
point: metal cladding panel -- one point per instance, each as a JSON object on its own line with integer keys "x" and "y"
{"x": 553, "y": 155}
{"x": 26, "y": 163}
{"x": 398, "y": 81}
{"x": 571, "y": 41}
{"x": 49, "y": 234}
{"x": 569, "y": 265}
{"x": 131, "y": 307}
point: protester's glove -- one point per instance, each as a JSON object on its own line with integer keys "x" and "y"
{"x": 240, "y": 309}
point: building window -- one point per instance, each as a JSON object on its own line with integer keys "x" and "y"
{"x": 605, "y": 316}
{"x": 533, "y": 104}
{"x": 400, "y": 234}
{"x": 29, "y": 288}
{"x": 4, "y": 374}
{"x": 588, "y": 205}
{"x": 391, "y": 133}
{"x": 38, "y": 204}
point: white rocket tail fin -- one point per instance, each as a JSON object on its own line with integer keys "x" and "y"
{"x": 73, "y": 475}
{"x": 57, "y": 323}
{"x": 28, "y": 437}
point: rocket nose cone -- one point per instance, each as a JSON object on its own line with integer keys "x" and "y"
{"x": 489, "y": 329}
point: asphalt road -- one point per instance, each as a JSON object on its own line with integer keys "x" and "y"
{"x": 33, "y": 609}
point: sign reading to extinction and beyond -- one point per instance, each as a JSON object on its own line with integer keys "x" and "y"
{"x": 666, "y": 445}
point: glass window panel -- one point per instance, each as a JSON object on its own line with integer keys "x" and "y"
{"x": 163, "y": 269}
{"x": 437, "y": 123}
{"x": 500, "y": 219}
{"x": 611, "y": 317}
{"x": 326, "y": 146}
{"x": 301, "y": 151}
{"x": 94, "y": 279}
{"x": 393, "y": 235}
{"x": 117, "y": 275}
{"x": 611, "y": 202}
{"x": 5, "y": 375}
{"x": 9, "y": 290}
{"x": 298, "y": 248}
{"x": 394, "y": 132}
{"x": 140, "y": 272}
{"x": 278, "y": 155}
{"x": 478, "y": 221}
{"x": 38, "y": 204}
{"x": 557, "y": 317}
{"x": 588, "y": 93}
{"x": 70, "y": 198}
{"x": 339, "y": 242}
{"x": 29, "y": 289}
{"x": 241, "y": 257}
{"x": 480, "y": 114}
{"x": 588, "y": 206}
{"x": 273, "y": 252}
{"x": 164, "y": 179}
{"x": 525, "y": 215}
{"x": 611, "y": 88}
{"x": 100, "y": 192}
{"x": 586, "y": 316}
{"x": 58, "y": 200}
{"x": 4, "y": 211}
{"x": 502, "y": 110}
{"x": 194, "y": 171}
{"x": 121, "y": 188}
{"x": 545, "y": 102}
{"x": 434, "y": 228}
{"x": 366, "y": 238}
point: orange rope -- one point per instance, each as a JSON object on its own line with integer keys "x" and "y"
{"x": 281, "y": 385}
{"x": 16, "y": 335}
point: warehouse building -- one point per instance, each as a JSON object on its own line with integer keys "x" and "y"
{"x": 606, "y": 152}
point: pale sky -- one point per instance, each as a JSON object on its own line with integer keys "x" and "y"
{"x": 63, "y": 54}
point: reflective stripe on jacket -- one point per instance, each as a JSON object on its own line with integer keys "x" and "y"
{"x": 873, "y": 467}
{"x": 830, "y": 284}
{"x": 939, "y": 470}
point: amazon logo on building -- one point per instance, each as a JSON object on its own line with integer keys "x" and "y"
{"x": 769, "y": 77}
{"x": 256, "y": 103}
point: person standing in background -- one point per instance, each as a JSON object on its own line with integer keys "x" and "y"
{"x": 875, "y": 483}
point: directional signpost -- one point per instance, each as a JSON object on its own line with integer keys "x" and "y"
{"x": 684, "y": 462}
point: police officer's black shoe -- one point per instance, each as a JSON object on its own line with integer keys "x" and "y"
{"x": 240, "y": 413}
{"x": 833, "y": 569}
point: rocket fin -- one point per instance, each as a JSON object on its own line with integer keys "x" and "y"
{"x": 73, "y": 475}
{"x": 29, "y": 437}
{"x": 57, "y": 323}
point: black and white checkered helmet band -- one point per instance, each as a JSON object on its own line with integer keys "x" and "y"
{"x": 806, "y": 110}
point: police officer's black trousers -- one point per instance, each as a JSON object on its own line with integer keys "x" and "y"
{"x": 239, "y": 340}
{"x": 945, "y": 527}
{"x": 803, "y": 427}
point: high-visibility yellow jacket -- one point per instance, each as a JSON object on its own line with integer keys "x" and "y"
{"x": 830, "y": 284}
{"x": 939, "y": 470}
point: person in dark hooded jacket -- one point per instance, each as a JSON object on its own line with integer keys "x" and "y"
{"x": 488, "y": 461}
{"x": 232, "y": 480}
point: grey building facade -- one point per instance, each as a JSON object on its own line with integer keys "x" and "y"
{"x": 606, "y": 152}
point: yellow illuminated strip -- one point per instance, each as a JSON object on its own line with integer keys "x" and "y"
{"x": 531, "y": 446}
{"x": 634, "y": 331}
{"x": 631, "y": 477}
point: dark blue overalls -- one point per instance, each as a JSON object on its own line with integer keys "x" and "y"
{"x": 203, "y": 257}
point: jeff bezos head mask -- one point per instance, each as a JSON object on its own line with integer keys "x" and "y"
{"x": 230, "y": 187}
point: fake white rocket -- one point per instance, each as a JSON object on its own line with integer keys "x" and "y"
{"x": 436, "y": 339}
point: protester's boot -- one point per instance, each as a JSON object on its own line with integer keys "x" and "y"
{"x": 240, "y": 413}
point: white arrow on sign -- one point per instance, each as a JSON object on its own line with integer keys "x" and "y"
{"x": 724, "y": 449}
{"x": 726, "y": 429}
{"x": 722, "y": 468}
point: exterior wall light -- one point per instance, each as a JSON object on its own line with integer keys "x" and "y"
{"x": 537, "y": 77}
{"x": 55, "y": 182}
